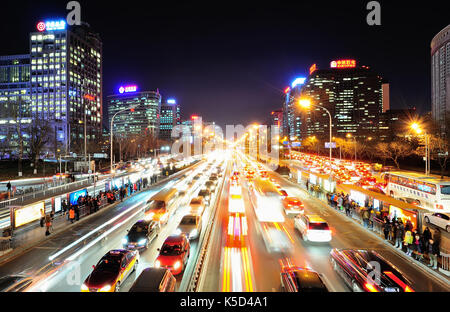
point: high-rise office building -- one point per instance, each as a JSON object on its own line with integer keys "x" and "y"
{"x": 291, "y": 119}
{"x": 170, "y": 117}
{"x": 66, "y": 82}
{"x": 15, "y": 102}
{"x": 142, "y": 120}
{"x": 353, "y": 96}
{"x": 276, "y": 118}
{"x": 394, "y": 123}
{"x": 440, "y": 77}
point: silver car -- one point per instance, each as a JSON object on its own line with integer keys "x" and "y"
{"x": 191, "y": 225}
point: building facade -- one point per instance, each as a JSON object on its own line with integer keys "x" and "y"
{"x": 292, "y": 121}
{"x": 395, "y": 122}
{"x": 15, "y": 102}
{"x": 353, "y": 96}
{"x": 440, "y": 78}
{"x": 142, "y": 120}
{"x": 276, "y": 118}
{"x": 170, "y": 117}
{"x": 66, "y": 82}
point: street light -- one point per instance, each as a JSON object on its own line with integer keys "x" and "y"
{"x": 111, "y": 130}
{"x": 416, "y": 127}
{"x": 306, "y": 103}
{"x": 349, "y": 135}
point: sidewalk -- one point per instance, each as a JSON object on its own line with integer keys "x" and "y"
{"x": 33, "y": 234}
{"x": 373, "y": 231}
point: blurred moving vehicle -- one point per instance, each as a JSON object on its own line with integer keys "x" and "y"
{"x": 141, "y": 234}
{"x": 14, "y": 283}
{"x": 293, "y": 205}
{"x": 160, "y": 206}
{"x": 174, "y": 254}
{"x": 154, "y": 280}
{"x": 190, "y": 225}
{"x": 356, "y": 267}
{"x": 197, "y": 206}
{"x": 206, "y": 194}
{"x": 312, "y": 228}
{"x": 439, "y": 219}
{"x": 112, "y": 269}
{"x": 297, "y": 279}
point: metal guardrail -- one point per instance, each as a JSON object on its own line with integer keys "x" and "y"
{"x": 445, "y": 263}
{"x": 193, "y": 283}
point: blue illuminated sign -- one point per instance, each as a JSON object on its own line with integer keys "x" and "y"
{"x": 51, "y": 25}
{"x": 126, "y": 89}
{"x": 171, "y": 101}
{"x": 298, "y": 81}
{"x": 73, "y": 197}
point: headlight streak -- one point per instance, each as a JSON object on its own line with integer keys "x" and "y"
{"x": 92, "y": 232}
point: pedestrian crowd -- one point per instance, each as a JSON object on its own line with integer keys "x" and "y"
{"x": 402, "y": 235}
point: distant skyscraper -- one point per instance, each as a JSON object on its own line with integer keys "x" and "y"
{"x": 440, "y": 77}
{"x": 276, "y": 118}
{"x": 15, "y": 101}
{"x": 66, "y": 81}
{"x": 291, "y": 118}
{"x": 144, "y": 119}
{"x": 352, "y": 94}
{"x": 169, "y": 118}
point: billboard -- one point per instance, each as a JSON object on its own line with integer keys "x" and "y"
{"x": 28, "y": 213}
{"x": 73, "y": 197}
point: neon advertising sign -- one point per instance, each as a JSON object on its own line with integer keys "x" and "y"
{"x": 343, "y": 64}
{"x": 127, "y": 89}
{"x": 51, "y": 25}
{"x": 312, "y": 69}
{"x": 171, "y": 101}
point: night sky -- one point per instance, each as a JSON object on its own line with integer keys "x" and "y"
{"x": 229, "y": 61}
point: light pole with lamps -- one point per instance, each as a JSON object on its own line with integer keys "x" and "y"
{"x": 349, "y": 135}
{"x": 306, "y": 103}
{"x": 111, "y": 131}
{"x": 416, "y": 127}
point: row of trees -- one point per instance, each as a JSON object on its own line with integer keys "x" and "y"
{"x": 402, "y": 146}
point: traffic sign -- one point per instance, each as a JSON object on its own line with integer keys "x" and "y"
{"x": 327, "y": 144}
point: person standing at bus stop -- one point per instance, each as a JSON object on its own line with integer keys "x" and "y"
{"x": 71, "y": 214}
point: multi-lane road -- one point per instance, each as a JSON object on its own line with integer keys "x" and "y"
{"x": 63, "y": 261}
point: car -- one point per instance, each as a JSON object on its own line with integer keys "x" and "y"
{"x": 292, "y": 205}
{"x": 112, "y": 269}
{"x": 210, "y": 185}
{"x": 312, "y": 228}
{"x": 297, "y": 279}
{"x": 283, "y": 193}
{"x": 190, "y": 225}
{"x": 439, "y": 219}
{"x": 197, "y": 205}
{"x": 174, "y": 254}
{"x": 356, "y": 267}
{"x": 206, "y": 194}
{"x": 141, "y": 234}
{"x": 213, "y": 179}
{"x": 14, "y": 283}
{"x": 154, "y": 280}
{"x": 197, "y": 177}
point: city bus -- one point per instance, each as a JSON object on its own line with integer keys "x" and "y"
{"x": 266, "y": 199}
{"x": 160, "y": 206}
{"x": 429, "y": 192}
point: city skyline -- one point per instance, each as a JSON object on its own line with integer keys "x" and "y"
{"x": 242, "y": 65}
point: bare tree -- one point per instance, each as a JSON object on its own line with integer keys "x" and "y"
{"x": 394, "y": 150}
{"x": 40, "y": 133}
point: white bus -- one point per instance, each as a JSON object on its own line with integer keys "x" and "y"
{"x": 430, "y": 192}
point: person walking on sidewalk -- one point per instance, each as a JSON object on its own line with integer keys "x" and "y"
{"x": 365, "y": 217}
{"x": 48, "y": 224}
{"x": 71, "y": 214}
{"x": 418, "y": 247}
{"x": 340, "y": 203}
{"x": 386, "y": 228}
{"x": 408, "y": 242}
{"x": 434, "y": 252}
{"x": 400, "y": 231}
{"x": 42, "y": 217}
{"x": 426, "y": 238}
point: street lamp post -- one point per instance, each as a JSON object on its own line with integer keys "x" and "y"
{"x": 307, "y": 103}
{"x": 416, "y": 127}
{"x": 354, "y": 138}
{"x": 111, "y": 131}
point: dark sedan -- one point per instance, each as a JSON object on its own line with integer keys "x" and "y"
{"x": 366, "y": 270}
{"x": 141, "y": 234}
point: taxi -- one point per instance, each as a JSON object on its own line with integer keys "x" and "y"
{"x": 112, "y": 269}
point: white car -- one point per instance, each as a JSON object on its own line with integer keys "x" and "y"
{"x": 312, "y": 228}
{"x": 439, "y": 219}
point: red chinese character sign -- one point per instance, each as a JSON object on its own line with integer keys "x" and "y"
{"x": 343, "y": 64}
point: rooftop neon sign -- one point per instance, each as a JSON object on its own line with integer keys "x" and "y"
{"x": 126, "y": 89}
{"x": 343, "y": 64}
{"x": 171, "y": 101}
{"x": 298, "y": 81}
{"x": 51, "y": 25}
